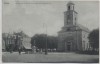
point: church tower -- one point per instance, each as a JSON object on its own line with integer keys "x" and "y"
{"x": 70, "y": 16}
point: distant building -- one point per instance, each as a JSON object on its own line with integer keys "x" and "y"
{"x": 7, "y": 40}
{"x": 73, "y": 36}
{"x": 15, "y": 41}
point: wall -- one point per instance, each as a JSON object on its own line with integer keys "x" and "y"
{"x": 85, "y": 41}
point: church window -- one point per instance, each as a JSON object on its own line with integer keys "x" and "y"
{"x": 73, "y": 7}
{"x": 68, "y": 29}
{"x": 84, "y": 44}
{"x": 68, "y": 7}
{"x": 68, "y": 21}
{"x": 83, "y": 36}
{"x": 83, "y": 41}
{"x": 68, "y": 17}
{"x": 75, "y": 18}
{"x": 69, "y": 42}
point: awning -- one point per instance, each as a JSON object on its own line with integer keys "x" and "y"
{"x": 26, "y": 43}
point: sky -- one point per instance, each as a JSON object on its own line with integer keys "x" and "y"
{"x": 36, "y": 17}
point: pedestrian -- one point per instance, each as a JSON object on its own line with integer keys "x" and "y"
{"x": 19, "y": 50}
{"x": 10, "y": 50}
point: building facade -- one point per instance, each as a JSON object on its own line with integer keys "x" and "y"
{"x": 73, "y": 36}
{"x": 15, "y": 41}
{"x": 8, "y": 41}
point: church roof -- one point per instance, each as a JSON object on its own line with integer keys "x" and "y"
{"x": 83, "y": 28}
{"x": 70, "y": 2}
{"x": 78, "y": 27}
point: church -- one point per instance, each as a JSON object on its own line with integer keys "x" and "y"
{"x": 73, "y": 36}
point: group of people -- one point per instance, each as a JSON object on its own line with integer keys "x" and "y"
{"x": 19, "y": 51}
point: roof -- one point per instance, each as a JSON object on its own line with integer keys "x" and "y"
{"x": 70, "y": 2}
{"x": 26, "y": 43}
{"x": 78, "y": 27}
{"x": 22, "y": 34}
{"x": 83, "y": 28}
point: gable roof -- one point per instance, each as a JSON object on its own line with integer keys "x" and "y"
{"x": 83, "y": 28}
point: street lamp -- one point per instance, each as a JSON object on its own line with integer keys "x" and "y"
{"x": 46, "y": 51}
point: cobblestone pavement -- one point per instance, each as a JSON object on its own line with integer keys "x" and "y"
{"x": 51, "y": 57}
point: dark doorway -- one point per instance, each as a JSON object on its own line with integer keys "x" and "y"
{"x": 68, "y": 47}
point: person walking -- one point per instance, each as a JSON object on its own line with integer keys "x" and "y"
{"x": 19, "y": 50}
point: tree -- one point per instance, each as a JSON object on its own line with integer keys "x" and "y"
{"x": 39, "y": 40}
{"x": 94, "y": 39}
{"x": 52, "y": 42}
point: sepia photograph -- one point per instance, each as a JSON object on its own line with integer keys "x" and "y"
{"x": 50, "y": 31}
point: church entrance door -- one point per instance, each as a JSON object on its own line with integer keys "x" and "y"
{"x": 68, "y": 47}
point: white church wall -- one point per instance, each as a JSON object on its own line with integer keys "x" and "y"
{"x": 85, "y": 41}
